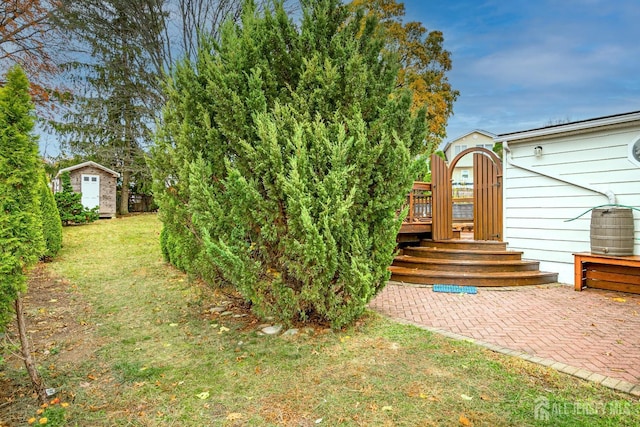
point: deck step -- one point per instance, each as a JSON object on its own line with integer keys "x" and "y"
{"x": 465, "y": 265}
{"x": 468, "y": 254}
{"x": 466, "y": 262}
{"x": 480, "y": 279}
{"x": 485, "y": 245}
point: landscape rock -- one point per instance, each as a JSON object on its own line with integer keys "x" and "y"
{"x": 272, "y": 330}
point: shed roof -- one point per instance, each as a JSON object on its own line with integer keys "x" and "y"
{"x": 85, "y": 164}
{"x": 572, "y": 127}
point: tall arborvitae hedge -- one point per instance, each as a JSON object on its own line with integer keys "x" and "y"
{"x": 283, "y": 160}
{"x": 51, "y": 223}
{"x": 21, "y": 242}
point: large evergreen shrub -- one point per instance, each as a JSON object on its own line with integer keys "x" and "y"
{"x": 21, "y": 242}
{"x": 70, "y": 206}
{"x": 50, "y": 216}
{"x": 283, "y": 161}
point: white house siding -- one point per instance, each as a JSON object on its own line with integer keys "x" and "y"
{"x": 537, "y": 207}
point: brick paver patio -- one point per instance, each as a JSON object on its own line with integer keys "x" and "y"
{"x": 589, "y": 333}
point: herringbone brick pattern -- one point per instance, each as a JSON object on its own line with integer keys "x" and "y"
{"x": 593, "y": 329}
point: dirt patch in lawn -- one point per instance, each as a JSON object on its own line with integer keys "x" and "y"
{"x": 60, "y": 333}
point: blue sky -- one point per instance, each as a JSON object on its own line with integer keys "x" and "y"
{"x": 521, "y": 64}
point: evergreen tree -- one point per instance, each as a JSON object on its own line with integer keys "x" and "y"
{"x": 50, "y": 217}
{"x": 69, "y": 204}
{"x": 284, "y": 159}
{"x": 21, "y": 242}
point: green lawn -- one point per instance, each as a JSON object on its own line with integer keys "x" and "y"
{"x": 157, "y": 355}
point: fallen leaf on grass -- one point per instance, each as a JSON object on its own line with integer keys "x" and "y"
{"x": 387, "y": 408}
{"x": 465, "y": 397}
{"x": 464, "y": 421}
{"x": 203, "y": 395}
{"x": 234, "y": 416}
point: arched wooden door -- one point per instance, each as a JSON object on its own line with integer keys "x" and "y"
{"x": 487, "y": 195}
{"x": 442, "y": 210}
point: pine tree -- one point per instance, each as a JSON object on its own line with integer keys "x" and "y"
{"x": 110, "y": 121}
{"x": 284, "y": 159}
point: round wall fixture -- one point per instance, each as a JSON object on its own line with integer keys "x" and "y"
{"x": 634, "y": 151}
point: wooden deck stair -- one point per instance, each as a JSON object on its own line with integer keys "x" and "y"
{"x": 467, "y": 262}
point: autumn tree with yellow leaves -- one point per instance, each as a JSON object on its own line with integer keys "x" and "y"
{"x": 425, "y": 64}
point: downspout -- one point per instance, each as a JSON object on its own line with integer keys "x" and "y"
{"x": 610, "y": 195}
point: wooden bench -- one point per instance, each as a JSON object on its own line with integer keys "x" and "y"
{"x": 607, "y": 272}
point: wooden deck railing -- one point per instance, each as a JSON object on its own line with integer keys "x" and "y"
{"x": 419, "y": 201}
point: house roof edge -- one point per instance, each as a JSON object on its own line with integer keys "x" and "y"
{"x": 576, "y": 126}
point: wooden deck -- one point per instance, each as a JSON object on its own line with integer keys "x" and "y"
{"x": 419, "y": 219}
{"x": 424, "y": 260}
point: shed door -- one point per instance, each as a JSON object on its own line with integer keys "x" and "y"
{"x": 90, "y": 189}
